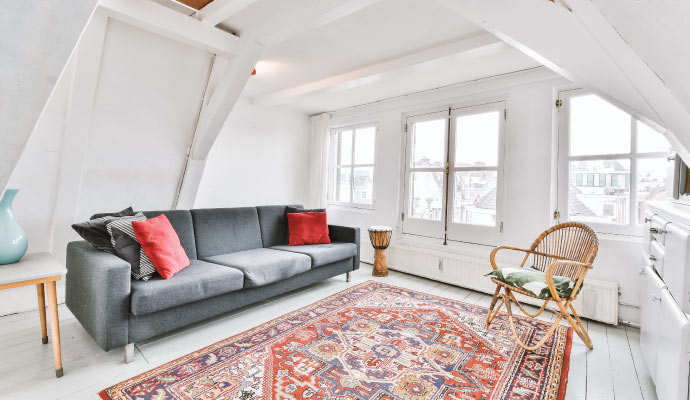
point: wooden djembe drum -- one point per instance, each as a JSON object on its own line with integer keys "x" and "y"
{"x": 380, "y": 237}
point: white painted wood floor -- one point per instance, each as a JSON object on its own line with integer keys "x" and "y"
{"x": 613, "y": 370}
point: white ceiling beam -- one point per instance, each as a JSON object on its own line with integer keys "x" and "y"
{"x": 554, "y": 36}
{"x": 470, "y": 47}
{"x": 85, "y": 74}
{"x": 309, "y": 19}
{"x": 671, "y": 111}
{"x": 226, "y": 82}
{"x": 221, "y": 98}
{"x": 219, "y": 10}
{"x": 166, "y": 22}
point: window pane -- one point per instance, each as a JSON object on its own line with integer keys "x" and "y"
{"x": 427, "y": 193}
{"x": 364, "y": 145}
{"x": 649, "y": 140}
{"x": 342, "y": 181}
{"x": 345, "y": 148}
{"x": 475, "y": 198}
{"x": 609, "y": 201}
{"x": 651, "y": 182}
{"x": 428, "y": 144}
{"x": 364, "y": 185}
{"x": 597, "y": 127}
{"x": 476, "y": 139}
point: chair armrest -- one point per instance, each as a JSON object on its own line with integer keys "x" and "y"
{"x": 492, "y": 257}
{"x": 98, "y": 293}
{"x": 345, "y": 234}
{"x": 581, "y": 271}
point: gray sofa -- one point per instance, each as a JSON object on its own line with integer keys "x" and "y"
{"x": 238, "y": 256}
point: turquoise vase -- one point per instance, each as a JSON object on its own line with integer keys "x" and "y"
{"x": 13, "y": 241}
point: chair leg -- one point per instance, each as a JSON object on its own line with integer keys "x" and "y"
{"x": 577, "y": 325}
{"x": 543, "y": 340}
{"x": 586, "y": 338}
{"x": 491, "y": 314}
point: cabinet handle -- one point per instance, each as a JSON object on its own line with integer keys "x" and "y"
{"x": 652, "y": 257}
{"x": 656, "y": 298}
{"x": 647, "y": 220}
{"x": 657, "y": 230}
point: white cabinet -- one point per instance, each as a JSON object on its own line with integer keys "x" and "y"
{"x": 656, "y": 256}
{"x": 665, "y": 299}
{"x": 650, "y": 303}
{"x": 672, "y": 354}
{"x": 677, "y": 271}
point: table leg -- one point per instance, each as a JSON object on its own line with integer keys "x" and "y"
{"x": 54, "y": 327}
{"x": 40, "y": 291}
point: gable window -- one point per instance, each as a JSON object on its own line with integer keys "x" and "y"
{"x": 610, "y": 163}
{"x": 352, "y": 182}
{"x": 453, "y": 172}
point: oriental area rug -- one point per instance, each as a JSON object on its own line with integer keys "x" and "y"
{"x": 372, "y": 341}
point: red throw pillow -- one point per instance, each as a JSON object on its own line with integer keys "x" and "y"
{"x": 162, "y": 245}
{"x": 308, "y": 228}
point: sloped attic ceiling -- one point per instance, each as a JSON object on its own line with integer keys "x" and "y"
{"x": 36, "y": 39}
{"x": 576, "y": 39}
{"x": 386, "y": 49}
{"x": 658, "y": 32}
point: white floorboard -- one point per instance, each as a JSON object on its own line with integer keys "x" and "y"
{"x": 613, "y": 370}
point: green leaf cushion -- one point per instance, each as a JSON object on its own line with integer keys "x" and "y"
{"x": 533, "y": 281}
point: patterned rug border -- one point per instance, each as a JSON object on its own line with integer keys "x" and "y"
{"x": 181, "y": 359}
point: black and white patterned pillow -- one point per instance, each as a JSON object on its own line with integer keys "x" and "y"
{"x": 94, "y": 231}
{"x": 127, "y": 246}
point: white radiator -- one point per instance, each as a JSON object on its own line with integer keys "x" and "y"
{"x": 598, "y": 300}
{"x": 366, "y": 252}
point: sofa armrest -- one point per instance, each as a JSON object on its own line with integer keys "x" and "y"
{"x": 98, "y": 293}
{"x": 345, "y": 234}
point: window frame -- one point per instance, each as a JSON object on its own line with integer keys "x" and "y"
{"x": 334, "y": 164}
{"x": 563, "y": 159}
{"x": 445, "y": 229}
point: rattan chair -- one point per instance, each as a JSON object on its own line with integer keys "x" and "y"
{"x": 566, "y": 249}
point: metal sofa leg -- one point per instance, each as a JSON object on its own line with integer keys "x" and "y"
{"x": 348, "y": 276}
{"x": 129, "y": 353}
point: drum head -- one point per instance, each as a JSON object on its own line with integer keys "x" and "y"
{"x": 380, "y": 228}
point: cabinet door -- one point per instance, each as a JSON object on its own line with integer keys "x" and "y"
{"x": 676, "y": 261}
{"x": 672, "y": 358}
{"x": 656, "y": 257}
{"x": 650, "y": 304}
{"x": 647, "y": 236}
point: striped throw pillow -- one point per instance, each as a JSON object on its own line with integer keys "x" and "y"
{"x": 128, "y": 248}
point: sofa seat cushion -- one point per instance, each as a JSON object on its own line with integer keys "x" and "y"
{"x": 199, "y": 281}
{"x": 323, "y": 254}
{"x": 263, "y": 266}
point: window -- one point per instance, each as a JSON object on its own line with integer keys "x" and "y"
{"x": 353, "y": 170}
{"x": 600, "y": 148}
{"x": 452, "y": 173}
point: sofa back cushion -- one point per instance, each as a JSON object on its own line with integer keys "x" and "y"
{"x": 226, "y": 230}
{"x": 274, "y": 226}
{"x": 181, "y": 221}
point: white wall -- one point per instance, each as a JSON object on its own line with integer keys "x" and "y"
{"x": 36, "y": 38}
{"x": 147, "y": 98}
{"x": 260, "y": 157}
{"x": 527, "y": 165}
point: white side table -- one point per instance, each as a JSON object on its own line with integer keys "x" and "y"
{"x": 39, "y": 269}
